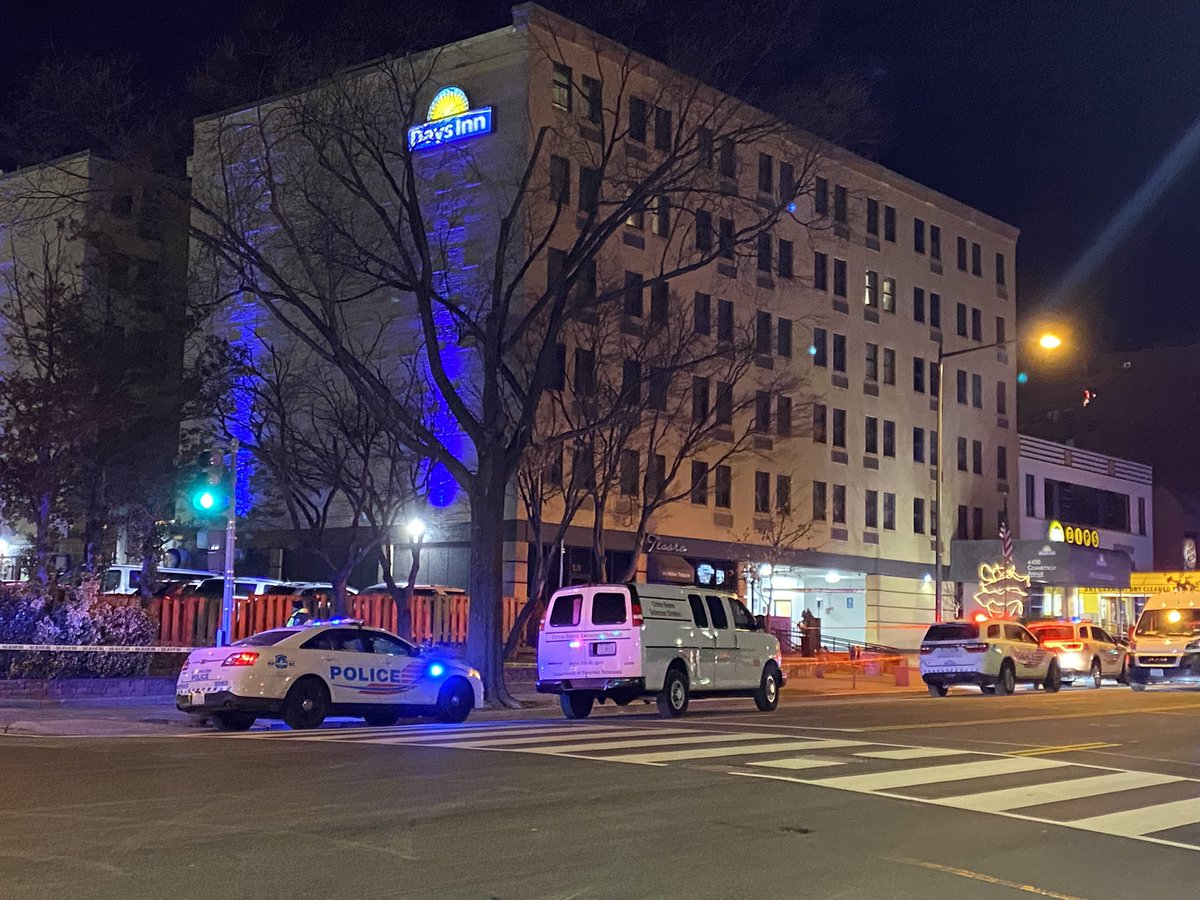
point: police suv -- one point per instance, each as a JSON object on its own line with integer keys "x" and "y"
{"x": 338, "y": 667}
{"x": 994, "y": 654}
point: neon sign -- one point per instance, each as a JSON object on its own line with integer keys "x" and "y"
{"x": 1002, "y": 589}
{"x": 449, "y": 119}
{"x": 1072, "y": 534}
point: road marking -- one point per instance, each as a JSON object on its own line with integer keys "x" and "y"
{"x": 913, "y": 753}
{"x": 715, "y": 752}
{"x": 648, "y": 742}
{"x": 1065, "y": 748}
{"x": 1072, "y": 789}
{"x": 1038, "y": 718}
{"x": 983, "y": 768}
{"x": 798, "y": 762}
{"x": 401, "y": 736}
{"x": 471, "y": 742}
{"x": 980, "y": 876}
{"x": 1144, "y": 820}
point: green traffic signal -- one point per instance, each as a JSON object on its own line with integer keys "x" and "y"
{"x": 210, "y": 488}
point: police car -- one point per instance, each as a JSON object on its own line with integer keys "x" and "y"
{"x": 338, "y": 667}
{"x": 995, "y": 654}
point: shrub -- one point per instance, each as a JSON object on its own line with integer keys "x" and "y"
{"x": 71, "y": 615}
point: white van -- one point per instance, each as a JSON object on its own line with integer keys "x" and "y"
{"x": 625, "y": 641}
{"x": 126, "y": 579}
{"x": 1165, "y": 646}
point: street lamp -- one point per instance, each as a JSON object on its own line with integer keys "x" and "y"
{"x": 416, "y": 529}
{"x": 1047, "y": 341}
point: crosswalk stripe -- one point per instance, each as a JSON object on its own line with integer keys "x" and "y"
{"x": 715, "y": 752}
{"x": 797, "y": 762}
{"x": 886, "y": 781}
{"x": 649, "y": 742}
{"x": 1072, "y": 789}
{"x": 403, "y": 736}
{"x": 1144, "y": 820}
{"x": 599, "y": 733}
{"x": 912, "y": 753}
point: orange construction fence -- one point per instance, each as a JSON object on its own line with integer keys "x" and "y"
{"x": 191, "y": 621}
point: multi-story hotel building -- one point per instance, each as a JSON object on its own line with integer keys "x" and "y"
{"x": 848, "y": 296}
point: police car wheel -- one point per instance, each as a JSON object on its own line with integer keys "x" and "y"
{"x": 455, "y": 701}
{"x": 576, "y": 704}
{"x": 381, "y": 718}
{"x": 1137, "y": 687}
{"x": 306, "y": 704}
{"x": 987, "y": 688}
{"x": 232, "y": 721}
{"x": 1096, "y": 676}
{"x": 1053, "y": 678}
{"x": 1007, "y": 682}
{"x": 766, "y": 698}
{"x": 938, "y": 690}
{"x": 673, "y": 698}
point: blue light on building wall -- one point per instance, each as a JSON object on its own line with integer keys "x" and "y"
{"x": 243, "y": 321}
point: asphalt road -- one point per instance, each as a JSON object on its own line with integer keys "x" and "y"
{"x": 896, "y": 797}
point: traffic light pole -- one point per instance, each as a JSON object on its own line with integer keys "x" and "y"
{"x": 225, "y": 634}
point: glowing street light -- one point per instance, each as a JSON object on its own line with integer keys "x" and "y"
{"x": 416, "y": 529}
{"x": 1049, "y": 341}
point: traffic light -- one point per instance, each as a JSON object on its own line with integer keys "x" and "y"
{"x": 210, "y": 488}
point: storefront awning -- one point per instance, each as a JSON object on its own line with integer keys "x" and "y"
{"x": 1045, "y": 562}
{"x": 667, "y": 568}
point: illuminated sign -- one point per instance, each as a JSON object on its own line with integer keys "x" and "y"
{"x": 1001, "y": 590}
{"x": 1072, "y": 534}
{"x": 449, "y": 119}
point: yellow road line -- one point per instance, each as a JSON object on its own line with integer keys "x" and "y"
{"x": 1066, "y": 748}
{"x": 979, "y": 876}
{"x": 1038, "y": 718}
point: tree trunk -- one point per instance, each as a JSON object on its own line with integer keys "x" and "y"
{"x": 41, "y": 544}
{"x": 340, "y": 606}
{"x": 599, "y": 561}
{"x": 405, "y": 603}
{"x": 400, "y": 597}
{"x": 150, "y": 550}
{"x": 484, "y": 641}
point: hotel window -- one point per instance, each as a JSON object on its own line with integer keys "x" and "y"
{"x": 1000, "y": 269}
{"x": 977, "y": 457}
{"x": 560, "y": 180}
{"x": 1001, "y": 335}
{"x": 699, "y": 490}
{"x": 839, "y": 353}
{"x": 699, "y": 398}
{"x": 933, "y": 448}
{"x": 839, "y": 278}
{"x": 818, "y": 501}
{"x": 871, "y": 436}
{"x": 762, "y": 333}
{"x": 839, "y": 203}
{"x": 783, "y": 334}
{"x": 634, "y": 292}
{"x": 871, "y": 289}
{"x": 704, "y": 231}
{"x": 889, "y": 295}
{"x": 935, "y": 384}
{"x": 724, "y": 321}
{"x": 589, "y": 190}
{"x": 762, "y": 412}
{"x": 660, "y": 224}
{"x": 977, "y": 391}
{"x": 558, "y": 369}
{"x": 629, "y": 473}
{"x": 820, "y": 271}
{"x": 962, "y": 387}
{"x": 639, "y": 113}
{"x": 702, "y": 314}
{"x": 725, "y": 238}
{"x": 872, "y": 362}
{"x": 872, "y": 216}
{"x": 783, "y": 494}
{"x": 821, "y": 197}
{"x": 960, "y": 319}
{"x": 585, "y": 372}
{"x": 820, "y": 425}
{"x": 918, "y": 304}
{"x": 561, "y": 86}
{"x": 656, "y": 474}
{"x": 660, "y": 301}
{"x": 889, "y": 511}
{"x": 636, "y": 219}
{"x": 935, "y": 311}
{"x": 889, "y": 438}
{"x": 839, "y": 429}
{"x": 976, "y": 325}
{"x": 977, "y": 523}
{"x": 662, "y": 128}
{"x": 1001, "y": 398}
{"x": 918, "y": 375}
{"x": 766, "y": 173}
{"x": 962, "y": 254}
{"x": 820, "y": 353}
{"x": 727, "y": 164}
{"x": 976, "y": 259}
{"x": 1141, "y": 515}
{"x": 762, "y": 492}
{"x": 787, "y": 181}
{"x": 785, "y": 258}
{"x": 1030, "y": 499}
{"x": 935, "y": 242}
{"x": 889, "y": 223}
{"x": 961, "y": 531}
{"x": 1001, "y": 463}
{"x": 764, "y": 252}
{"x": 919, "y": 235}
{"x": 593, "y": 92}
{"x": 889, "y": 366}
{"x": 918, "y": 515}
{"x": 723, "y": 404}
{"x": 704, "y": 147}
{"x": 962, "y": 454}
{"x": 631, "y": 381}
{"x": 871, "y": 508}
{"x": 783, "y": 416}
{"x": 839, "y": 504}
{"x": 722, "y": 487}
{"x": 918, "y": 444}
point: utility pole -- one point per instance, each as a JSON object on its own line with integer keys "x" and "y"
{"x": 226, "y": 632}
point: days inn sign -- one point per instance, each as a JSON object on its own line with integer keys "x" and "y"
{"x": 449, "y": 119}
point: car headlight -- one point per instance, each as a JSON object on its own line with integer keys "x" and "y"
{"x": 474, "y": 673}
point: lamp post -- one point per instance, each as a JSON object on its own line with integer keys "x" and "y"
{"x": 1046, "y": 342}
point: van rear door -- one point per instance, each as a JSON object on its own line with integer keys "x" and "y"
{"x": 589, "y": 632}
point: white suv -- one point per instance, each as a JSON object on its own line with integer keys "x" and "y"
{"x": 1084, "y": 650}
{"x": 995, "y": 654}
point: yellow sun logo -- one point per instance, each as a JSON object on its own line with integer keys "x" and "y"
{"x": 448, "y": 102}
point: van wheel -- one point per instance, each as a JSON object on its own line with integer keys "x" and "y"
{"x": 1053, "y": 681}
{"x": 766, "y": 698}
{"x": 232, "y": 721}
{"x": 673, "y": 698}
{"x": 576, "y": 705}
{"x": 937, "y": 690}
{"x": 1095, "y": 673}
{"x": 306, "y": 704}
{"x": 1007, "y": 682}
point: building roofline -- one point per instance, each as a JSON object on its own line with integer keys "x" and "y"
{"x": 57, "y": 162}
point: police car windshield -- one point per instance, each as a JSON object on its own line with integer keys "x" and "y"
{"x": 1179, "y": 622}
{"x": 266, "y": 639}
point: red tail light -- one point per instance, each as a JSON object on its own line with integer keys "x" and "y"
{"x": 637, "y": 613}
{"x": 975, "y": 648}
{"x": 244, "y": 658}
{"x": 1069, "y": 646}
{"x": 925, "y": 649}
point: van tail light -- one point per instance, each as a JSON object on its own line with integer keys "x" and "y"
{"x": 975, "y": 648}
{"x": 1068, "y": 646}
{"x": 245, "y": 658}
{"x": 636, "y": 606}
{"x": 925, "y": 648}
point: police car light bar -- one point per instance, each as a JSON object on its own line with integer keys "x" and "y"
{"x": 343, "y": 621}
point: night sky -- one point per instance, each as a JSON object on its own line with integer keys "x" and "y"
{"x": 1048, "y": 114}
